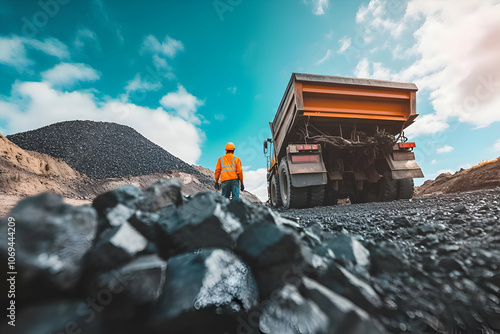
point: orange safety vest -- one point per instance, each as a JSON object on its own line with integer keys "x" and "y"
{"x": 228, "y": 168}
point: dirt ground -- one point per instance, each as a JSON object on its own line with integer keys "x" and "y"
{"x": 482, "y": 176}
{"x": 7, "y": 202}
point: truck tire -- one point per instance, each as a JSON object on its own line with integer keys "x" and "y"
{"x": 291, "y": 196}
{"x": 275, "y": 193}
{"x": 330, "y": 199}
{"x": 371, "y": 192}
{"x": 405, "y": 188}
{"x": 355, "y": 199}
{"x": 316, "y": 196}
{"x": 388, "y": 189}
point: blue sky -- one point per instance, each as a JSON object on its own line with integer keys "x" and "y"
{"x": 191, "y": 76}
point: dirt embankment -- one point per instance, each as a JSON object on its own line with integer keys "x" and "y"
{"x": 482, "y": 176}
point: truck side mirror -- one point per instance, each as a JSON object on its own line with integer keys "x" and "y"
{"x": 265, "y": 146}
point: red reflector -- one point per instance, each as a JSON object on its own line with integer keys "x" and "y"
{"x": 305, "y": 158}
{"x": 314, "y": 147}
{"x": 307, "y": 147}
{"x": 406, "y": 145}
{"x": 300, "y": 147}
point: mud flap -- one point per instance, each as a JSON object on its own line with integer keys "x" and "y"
{"x": 401, "y": 167}
{"x": 307, "y": 174}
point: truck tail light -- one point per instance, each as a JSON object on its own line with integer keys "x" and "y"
{"x": 406, "y": 145}
{"x": 307, "y": 147}
{"x": 305, "y": 158}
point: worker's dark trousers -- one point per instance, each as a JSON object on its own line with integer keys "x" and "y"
{"x": 231, "y": 186}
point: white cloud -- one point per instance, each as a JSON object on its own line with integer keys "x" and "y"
{"x": 66, "y": 74}
{"x": 426, "y": 124}
{"x": 320, "y": 6}
{"x": 456, "y": 64}
{"x": 50, "y": 46}
{"x": 183, "y": 103}
{"x": 445, "y": 171}
{"x": 345, "y": 43}
{"x": 444, "y": 149}
{"x": 219, "y": 117}
{"x": 160, "y": 63}
{"x": 140, "y": 84}
{"x": 380, "y": 16}
{"x": 496, "y": 147}
{"x": 255, "y": 182}
{"x": 85, "y": 35}
{"x": 13, "y": 50}
{"x": 232, "y": 90}
{"x": 433, "y": 162}
{"x": 325, "y": 58}
{"x": 374, "y": 70}
{"x": 32, "y": 99}
{"x": 169, "y": 47}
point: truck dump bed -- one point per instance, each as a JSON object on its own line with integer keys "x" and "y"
{"x": 337, "y": 104}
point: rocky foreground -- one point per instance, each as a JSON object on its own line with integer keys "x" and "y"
{"x": 155, "y": 261}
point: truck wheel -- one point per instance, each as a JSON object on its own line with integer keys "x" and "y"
{"x": 388, "y": 189}
{"x": 317, "y": 196}
{"x": 405, "y": 189}
{"x": 330, "y": 199}
{"x": 275, "y": 193}
{"x": 355, "y": 199}
{"x": 291, "y": 196}
{"x": 371, "y": 192}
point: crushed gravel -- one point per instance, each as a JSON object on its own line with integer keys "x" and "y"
{"x": 435, "y": 260}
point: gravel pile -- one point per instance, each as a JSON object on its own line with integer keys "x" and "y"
{"x": 156, "y": 261}
{"x": 101, "y": 150}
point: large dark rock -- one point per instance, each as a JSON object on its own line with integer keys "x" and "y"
{"x": 116, "y": 246}
{"x": 273, "y": 252}
{"x": 145, "y": 223}
{"x": 388, "y": 257}
{"x": 343, "y": 282}
{"x": 248, "y": 213}
{"x": 288, "y": 312}
{"x": 347, "y": 249}
{"x": 202, "y": 222}
{"x": 114, "y": 217}
{"x": 63, "y": 316}
{"x": 204, "y": 292}
{"x": 160, "y": 194}
{"x": 127, "y": 195}
{"x": 131, "y": 288}
{"x": 51, "y": 239}
{"x": 343, "y": 316}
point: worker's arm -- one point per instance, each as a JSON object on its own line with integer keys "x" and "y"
{"x": 217, "y": 170}
{"x": 239, "y": 169}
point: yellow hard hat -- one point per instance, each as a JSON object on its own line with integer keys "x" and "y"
{"x": 230, "y": 146}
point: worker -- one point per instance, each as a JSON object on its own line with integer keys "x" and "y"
{"x": 230, "y": 172}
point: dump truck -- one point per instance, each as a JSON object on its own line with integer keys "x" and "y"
{"x": 337, "y": 137}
